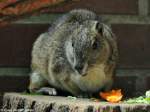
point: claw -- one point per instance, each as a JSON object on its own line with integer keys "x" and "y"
{"x": 47, "y": 91}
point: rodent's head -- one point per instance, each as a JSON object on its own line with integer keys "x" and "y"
{"x": 84, "y": 45}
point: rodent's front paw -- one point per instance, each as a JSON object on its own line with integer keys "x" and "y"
{"x": 47, "y": 91}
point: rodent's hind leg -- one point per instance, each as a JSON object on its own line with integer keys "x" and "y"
{"x": 47, "y": 91}
{"x": 38, "y": 85}
{"x": 36, "y": 82}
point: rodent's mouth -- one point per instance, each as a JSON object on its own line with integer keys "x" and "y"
{"x": 83, "y": 74}
{"x": 82, "y": 71}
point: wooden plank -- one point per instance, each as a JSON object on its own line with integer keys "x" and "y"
{"x": 16, "y": 43}
{"x": 36, "y": 103}
{"x": 13, "y": 83}
{"x": 134, "y": 46}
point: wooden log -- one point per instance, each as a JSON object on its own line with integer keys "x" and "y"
{"x": 15, "y": 102}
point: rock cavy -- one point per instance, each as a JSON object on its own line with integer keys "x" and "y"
{"x": 77, "y": 54}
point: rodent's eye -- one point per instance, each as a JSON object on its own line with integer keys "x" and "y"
{"x": 95, "y": 45}
{"x": 72, "y": 44}
{"x": 99, "y": 28}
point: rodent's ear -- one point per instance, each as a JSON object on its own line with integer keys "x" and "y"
{"x": 104, "y": 30}
{"x": 107, "y": 32}
{"x": 99, "y": 28}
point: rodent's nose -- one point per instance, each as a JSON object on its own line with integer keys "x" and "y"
{"x": 79, "y": 68}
